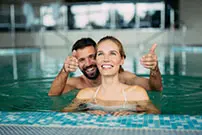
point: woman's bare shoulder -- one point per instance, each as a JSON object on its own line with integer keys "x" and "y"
{"x": 136, "y": 93}
{"x": 86, "y": 93}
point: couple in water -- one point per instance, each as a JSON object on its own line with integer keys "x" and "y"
{"x": 105, "y": 86}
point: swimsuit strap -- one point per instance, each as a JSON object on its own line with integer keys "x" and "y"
{"x": 125, "y": 98}
{"x": 95, "y": 95}
{"x": 124, "y": 95}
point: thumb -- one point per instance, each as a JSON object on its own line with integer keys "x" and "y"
{"x": 74, "y": 53}
{"x": 153, "y": 48}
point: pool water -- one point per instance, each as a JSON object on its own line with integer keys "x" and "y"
{"x": 26, "y": 77}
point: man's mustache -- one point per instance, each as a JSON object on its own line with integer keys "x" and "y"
{"x": 85, "y": 68}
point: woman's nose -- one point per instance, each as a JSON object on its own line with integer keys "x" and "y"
{"x": 106, "y": 58}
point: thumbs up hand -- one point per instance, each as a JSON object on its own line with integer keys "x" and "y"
{"x": 71, "y": 63}
{"x": 149, "y": 60}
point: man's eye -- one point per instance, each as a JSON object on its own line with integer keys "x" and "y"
{"x": 81, "y": 60}
{"x": 92, "y": 56}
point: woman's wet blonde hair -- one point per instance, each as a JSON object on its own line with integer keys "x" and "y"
{"x": 118, "y": 43}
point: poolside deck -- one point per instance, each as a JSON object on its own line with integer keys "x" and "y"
{"x": 49, "y": 123}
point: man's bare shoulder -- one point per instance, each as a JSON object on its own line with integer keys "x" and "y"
{"x": 126, "y": 74}
{"x": 127, "y": 77}
{"x": 74, "y": 79}
{"x": 135, "y": 88}
{"x": 76, "y": 82}
{"x": 86, "y": 93}
{"x": 136, "y": 93}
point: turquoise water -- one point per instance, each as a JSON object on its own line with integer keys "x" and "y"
{"x": 26, "y": 76}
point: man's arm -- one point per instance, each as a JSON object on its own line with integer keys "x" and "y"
{"x": 149, "y": 84}
{"x": 154, "y": 81}
{"x": 149, "y": 61}
{"x": 60, "y": 84}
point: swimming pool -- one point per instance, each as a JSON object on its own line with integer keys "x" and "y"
{"x": 26, "y": 76}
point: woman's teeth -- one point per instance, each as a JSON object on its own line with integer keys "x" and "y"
{"x": 106, "y": 66}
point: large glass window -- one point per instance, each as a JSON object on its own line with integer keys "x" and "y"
{"x": 90, "y": 16}
{"x": 124, "y": 15}
{"x": 54, "y": 15}
{"x": 100, "y": 15}
{"x": 117, "y": 15}
{"x": 149, "y": 14}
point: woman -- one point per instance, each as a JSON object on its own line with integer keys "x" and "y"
{"x": 112, "y": 95}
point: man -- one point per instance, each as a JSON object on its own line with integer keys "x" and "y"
{"x": 83, "y": 56}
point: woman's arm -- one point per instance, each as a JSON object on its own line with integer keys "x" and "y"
{"x": 144, "y": 104}
{"x": 136, "y": 93}
{"x": 84, "y": 96}
{"x": 72, "y": 107}
{"x": 148, "y": 107}
{"x": 77, "y": 105}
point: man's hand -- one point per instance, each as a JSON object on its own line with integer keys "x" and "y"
{"x": 71, "y": 63}
{"x": 60, "y": 84}
{"x": 150, "y": 60}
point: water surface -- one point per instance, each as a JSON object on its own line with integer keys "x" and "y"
{"x": 26, "y": 77}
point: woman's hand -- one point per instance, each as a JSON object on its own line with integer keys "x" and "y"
{"x": 121, "y": 113}
{"x": 98, "y": 112}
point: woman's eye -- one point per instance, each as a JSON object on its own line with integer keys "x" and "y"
{"x": 113, "y": 53}
{"x": 98, "y": 54}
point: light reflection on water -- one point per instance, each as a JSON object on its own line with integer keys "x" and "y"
{"x": 181, "y": 70}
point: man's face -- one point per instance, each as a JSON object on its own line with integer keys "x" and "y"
{"x": 87, "y": 62}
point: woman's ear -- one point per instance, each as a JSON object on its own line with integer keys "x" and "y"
{"x": 122, "y": 61}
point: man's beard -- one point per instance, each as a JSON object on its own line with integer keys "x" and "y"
{"x": 94, "y": 75}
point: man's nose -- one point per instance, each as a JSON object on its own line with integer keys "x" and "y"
{"x": 88, "y": 62}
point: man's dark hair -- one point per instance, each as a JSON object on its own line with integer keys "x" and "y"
{"x": 83, "y": 42}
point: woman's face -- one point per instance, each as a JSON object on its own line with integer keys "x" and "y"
{"x": 108, "y": 58}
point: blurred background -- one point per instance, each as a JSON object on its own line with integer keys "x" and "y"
{"x": 37, "y": 35}
{"x": 64, "y": 21}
